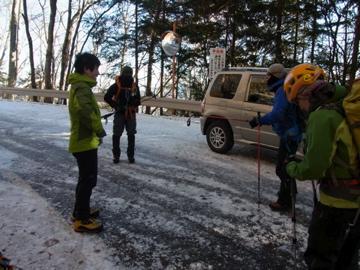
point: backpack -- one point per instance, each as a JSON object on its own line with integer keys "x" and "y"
{"x": 120, "y": 88}
{"x": 351, "y": 106}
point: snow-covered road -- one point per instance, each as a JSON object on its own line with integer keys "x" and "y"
{"x": 180, "y": 206}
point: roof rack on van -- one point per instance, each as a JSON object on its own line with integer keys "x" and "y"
{"x": 259, "y": 69}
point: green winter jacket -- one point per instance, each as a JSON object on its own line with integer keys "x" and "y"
{"x": 85, "y": 119}
{"x": 329, "y": 145}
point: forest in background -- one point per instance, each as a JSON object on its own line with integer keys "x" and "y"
{"x": 39, "y": 43}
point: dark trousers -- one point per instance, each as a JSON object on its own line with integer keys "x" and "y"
{"x": 286, "y": 148}
{"x": 88, "y": 165}
{"x": 120, "y": 123}
{"x": 327, "y": 249}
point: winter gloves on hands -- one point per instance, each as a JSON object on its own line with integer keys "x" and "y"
{"x": 101, "y": 135}
{"x": 254, "y": 122}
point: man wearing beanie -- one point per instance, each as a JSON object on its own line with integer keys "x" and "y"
{"x": 124, "y": 97}
{"x": 286, "y": 123}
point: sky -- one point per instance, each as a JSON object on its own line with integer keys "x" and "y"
{"x": 36, "y": 235}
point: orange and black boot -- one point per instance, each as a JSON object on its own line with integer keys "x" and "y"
{"x": 94, "y": 213}
{"x": 90, "y": 225}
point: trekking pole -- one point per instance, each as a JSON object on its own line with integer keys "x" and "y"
{"x": 314, "y": 193}
{"x": 258, "y": 161}
{"x": 106, "y": 116}
{"x": 293, "y": 217}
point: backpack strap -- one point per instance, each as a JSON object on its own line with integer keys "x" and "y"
{"x": 120, "y": 88}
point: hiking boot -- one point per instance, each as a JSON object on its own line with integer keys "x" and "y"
{"x": 276, "y": 206}
{"x": 87, "y": 225}
{"x": 116, "y": 160}
{"x": 94, "y": 213}
{"x": 131, "y": 160}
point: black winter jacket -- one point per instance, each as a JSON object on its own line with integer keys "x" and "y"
{"x": 127, "y": 98}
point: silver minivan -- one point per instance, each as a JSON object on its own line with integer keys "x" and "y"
{"x": 234, "y": 96}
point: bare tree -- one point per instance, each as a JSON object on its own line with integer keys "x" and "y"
{"x": 314, "y": 30}
{"x": 50, "y": 49}
{"x": 2, "y": 54}
{"x": 67, "y": 44}
{"x": 85, "y": 6}
{"x": 278, "y": 33}
{"x": 151, "y": 50}
{"x": 355, "y": 53}
{"x": 31, "y": 51}
{"x": 13, "y": 53}
{"x": 296, "y": 32}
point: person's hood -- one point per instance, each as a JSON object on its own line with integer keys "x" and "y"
{"x": 273, "y": 86}
{"x": 81, "y": 78}
{"x": 326, "y": 93}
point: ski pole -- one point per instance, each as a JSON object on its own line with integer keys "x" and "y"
{"x": 258, "y": 160}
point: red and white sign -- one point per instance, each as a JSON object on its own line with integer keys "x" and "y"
{"x": 217, "y": 61}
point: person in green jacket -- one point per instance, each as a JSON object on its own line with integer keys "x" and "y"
{"x": 331, "y": 158}
{"x": 86, "y": 133}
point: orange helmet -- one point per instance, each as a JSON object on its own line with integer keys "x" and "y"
{"x": 300, "y": 76}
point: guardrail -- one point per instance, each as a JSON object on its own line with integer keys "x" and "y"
{"x": 169, "y": 103}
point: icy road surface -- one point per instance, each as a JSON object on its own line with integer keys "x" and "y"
{"x": 180, "y": 206}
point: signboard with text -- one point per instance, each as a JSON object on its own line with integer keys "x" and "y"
{"x": 217, "y": 61}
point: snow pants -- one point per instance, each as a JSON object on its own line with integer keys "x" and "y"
{"x": 327, "y": 249}
{"x": 286, "y": 149}
{"x": 120, "y": 123}
{"x": 88, "y": 165}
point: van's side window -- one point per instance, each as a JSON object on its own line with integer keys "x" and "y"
{"x": 225, "y": 86}
{"x": 258, "y": 92}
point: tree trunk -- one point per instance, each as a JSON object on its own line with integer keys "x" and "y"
{"x": 149, "y": 69}
{"x": 137, "y": 41}
{"x": 125, "y": 19}
{"x": 278, "y": 34}
{"x": 13, "y": 53}
{"x": 296, "y": 33}
{"x": 233, "y": 34}
{"x": 73, "y": 42}
{"x": 345, "y": 54}
{"x": 355, "y": 53}
{"x": 151, "y": 50}
{"x": 66, "y": 45}
{"x": 313, "y": 32}
{"x": 49, "y": 50}
{"x": 162, "y": 61}
{"x": 31, "y": 50}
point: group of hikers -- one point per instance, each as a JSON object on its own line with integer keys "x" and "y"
{"x": 305, "y": 103}
{"x": 306, "y": 108}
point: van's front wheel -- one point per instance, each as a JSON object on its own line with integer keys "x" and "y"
{"x": 219, "y": 137}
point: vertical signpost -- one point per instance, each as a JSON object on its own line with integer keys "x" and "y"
{"x": 217, "y": 61}
{"x": 171, "y": 44}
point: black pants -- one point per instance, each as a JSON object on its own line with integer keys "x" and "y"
{"x": 286, "y": 148}
{"x": 326, "y": 248}
{"x": 88, "y": 166}
{"x": 120, "y": 123}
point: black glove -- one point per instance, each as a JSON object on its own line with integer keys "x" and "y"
{"x": 101, "y": 134}
{"x": 286, "y": 162}
{"x": 254, "y": 122}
